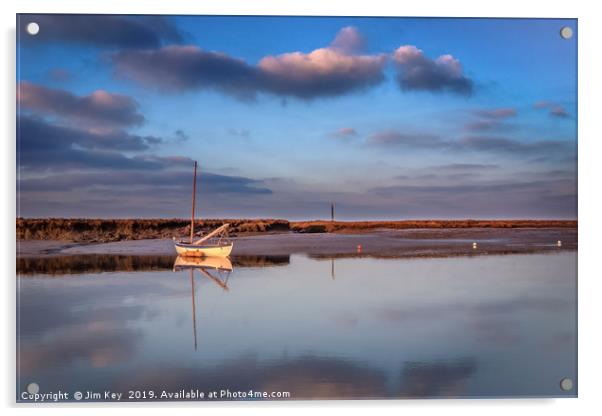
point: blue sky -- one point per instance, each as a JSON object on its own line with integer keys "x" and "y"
{"x": 390, "y": 118}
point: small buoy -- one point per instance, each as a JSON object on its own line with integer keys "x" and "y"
{"x": 559, "y": 243}
{"x": 359, "y": 248}
{"x": 474, "y": 245}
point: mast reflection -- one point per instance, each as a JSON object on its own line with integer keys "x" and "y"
{"x": 206, "y": 266}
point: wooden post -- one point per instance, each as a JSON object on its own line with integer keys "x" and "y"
{"x": 332, "y": 211}
{"x": 193, "y": 204}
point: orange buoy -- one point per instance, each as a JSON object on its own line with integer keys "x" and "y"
{"x": 359, "y": 248}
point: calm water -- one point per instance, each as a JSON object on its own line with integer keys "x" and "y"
{"x": 345, "y": 328}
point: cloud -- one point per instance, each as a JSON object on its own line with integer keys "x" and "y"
{"x": 72, "y": 171}
{"x": 467, "y": 166}
{"x": 417, "y": 72}
{"x": 68, "y": 171}
{"x": 485, "y": 125}
{"x": 106, "y": 31}
{"x": 497, "y": 113}
{"x": 505, "y": 145}
{"x": 114, "y": 185}
{"x": 42, "y": 145}
{"x": 508, "y": 194}
{"x": 338, "y": 69}
{"x": 324, "y": 72}
{"x": 239, "y": 132}
{"x": 181, "y": 68}
{"x": 491, "y": 119}
{"x": 175, "y": 182}
{"x": 59, "y": 75}
{"x": 555, "y": 110}
{"x": 181, "y": 136}
{"x": 100, "y": 109}
{"x": 396, "y": 138}
{"x": 344, "y": 132}
{"x": 492, "y": 144}
{"x": 466, "y": 188}
{"x": 349, "y": 40}
{"x": 559, "y": 111}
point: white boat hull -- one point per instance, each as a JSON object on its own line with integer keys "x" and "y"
{"x": 191, "y": 250}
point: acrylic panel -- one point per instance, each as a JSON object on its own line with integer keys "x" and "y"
{"x": 216, "y": 208}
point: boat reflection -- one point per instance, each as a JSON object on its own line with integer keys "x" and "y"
{"x": 204, "y": 263}
{"x": 206, "y": 266}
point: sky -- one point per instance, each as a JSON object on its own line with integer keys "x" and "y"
{"x": 387, "y": 118}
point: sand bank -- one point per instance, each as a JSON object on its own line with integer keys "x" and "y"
{"x": 384, "y": 243}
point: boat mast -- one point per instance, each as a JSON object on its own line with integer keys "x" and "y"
{"x": 193, "y": 204}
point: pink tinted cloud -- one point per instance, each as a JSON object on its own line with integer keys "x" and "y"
{"x": 559, "y": 111}
{"x": 59, "y": 75}
{"x": 554, "y": 110}
{"x": 323, "y": 72}
{"x": 344, "y": 132}
{"x": 491, "y": 119}
{"x": 407, "y": 139}
{"x": 497, "y": 113}
{"x": 98, "y": 110}
{"x": 349, "y": 40}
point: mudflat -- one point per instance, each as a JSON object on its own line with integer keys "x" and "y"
{"x": 439, "y": 242}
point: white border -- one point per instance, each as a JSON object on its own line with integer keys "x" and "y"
{"x": 590, "y": 209}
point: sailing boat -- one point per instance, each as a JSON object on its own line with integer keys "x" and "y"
{"x": 213, "y": 244}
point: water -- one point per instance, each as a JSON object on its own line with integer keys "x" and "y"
{"x": 348, "y": 328}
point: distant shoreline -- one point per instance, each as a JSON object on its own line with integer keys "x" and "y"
{"x": 110, "y": 230}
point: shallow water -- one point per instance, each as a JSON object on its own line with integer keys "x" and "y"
{"x": 486, "y": 326}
